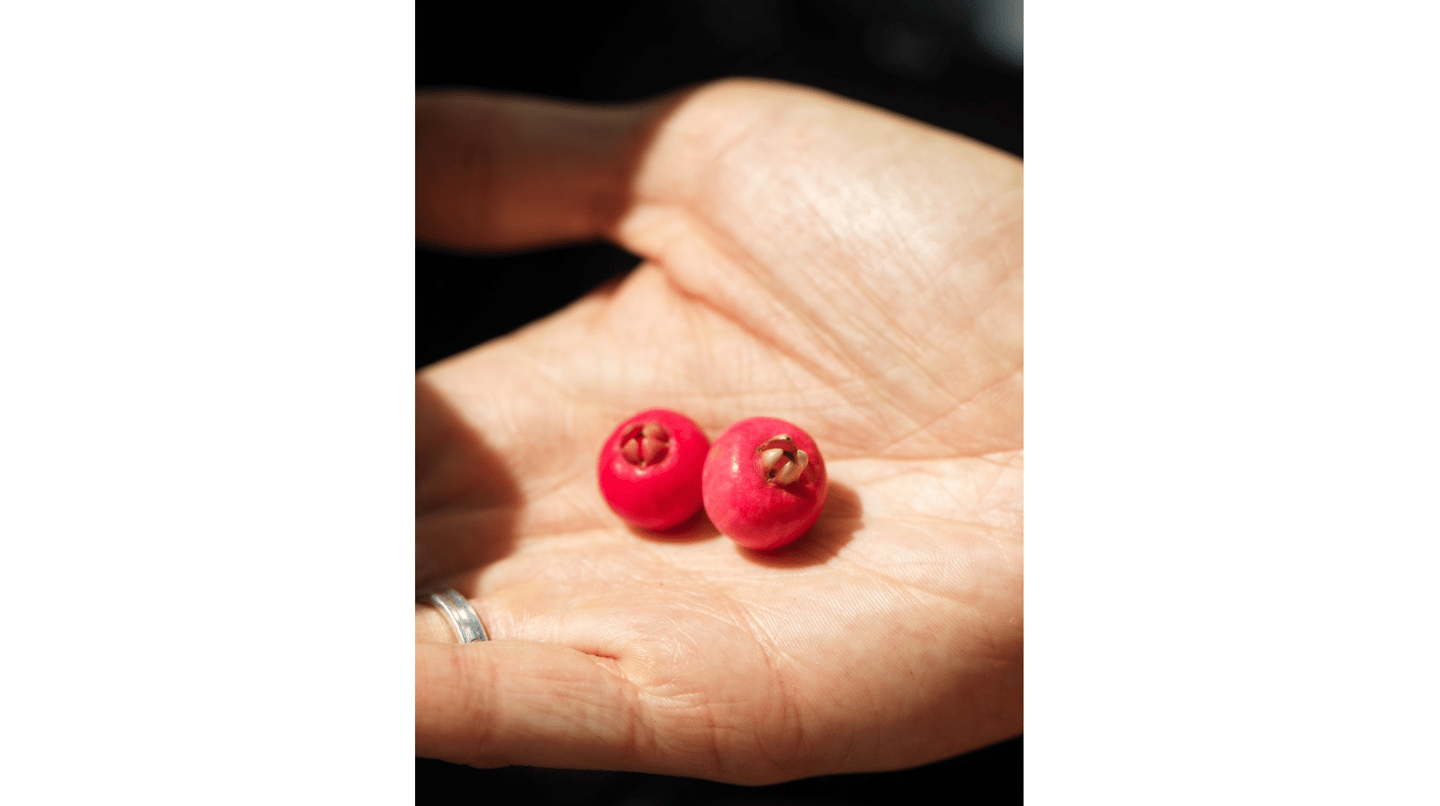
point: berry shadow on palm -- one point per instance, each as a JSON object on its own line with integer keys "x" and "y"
{"x": 694, "y": 530}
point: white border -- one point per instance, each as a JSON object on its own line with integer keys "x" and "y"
{"x": 207, "y": 317}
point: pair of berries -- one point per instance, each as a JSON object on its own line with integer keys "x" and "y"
{"x": 762, "y": 482}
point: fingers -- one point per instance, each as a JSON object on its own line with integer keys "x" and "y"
{"x": 431, "y": 627}
{"x": 501, "y": 172}
{"x": 517, "y": 702}
{"x": 496, "y": 172}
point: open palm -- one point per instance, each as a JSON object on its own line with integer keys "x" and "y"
{"x": 806, "y": 258}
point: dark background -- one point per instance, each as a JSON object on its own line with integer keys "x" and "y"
{"x": 952, "y": 63}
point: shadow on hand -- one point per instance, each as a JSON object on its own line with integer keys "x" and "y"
{"x": 695, "y": 529}
{"x": 465, "y": 499}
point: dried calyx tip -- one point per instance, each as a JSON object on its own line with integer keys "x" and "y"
{"x": 780, "y": 461}
{"x": 645, "y": 444}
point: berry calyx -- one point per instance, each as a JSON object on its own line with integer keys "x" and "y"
{"x": 764, "y": 482}
{"x": 650, "y": 467}
{"x": 645, "y": 444}
{"x": 781, "y": 462}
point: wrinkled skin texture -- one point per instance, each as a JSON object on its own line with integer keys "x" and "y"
{"x": 805, "y": 257}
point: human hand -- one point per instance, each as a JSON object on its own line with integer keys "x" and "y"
{"x": 804, "y": 257}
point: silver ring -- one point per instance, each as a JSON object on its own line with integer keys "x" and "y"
{"x": 464, "y": 621}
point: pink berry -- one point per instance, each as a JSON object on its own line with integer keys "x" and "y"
{"x": 764, "y": 482}
{"x": 650, "y": 469}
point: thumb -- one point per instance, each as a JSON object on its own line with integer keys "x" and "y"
{"x": 499, "y": 172}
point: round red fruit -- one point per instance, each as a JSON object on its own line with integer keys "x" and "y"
{"x": 764, "y": 482}
{"x": 650, "y": 469}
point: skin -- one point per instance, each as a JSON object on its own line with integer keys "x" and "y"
{"x": 805, "y": 257}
